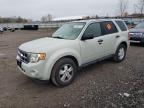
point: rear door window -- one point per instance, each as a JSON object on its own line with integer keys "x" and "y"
{"x": 121, "y": 25}
{"x": 108, "y": 27}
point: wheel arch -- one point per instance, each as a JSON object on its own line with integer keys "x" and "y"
{"x": 71, "y": 57}
{"x": 121, "y": 42}
{"x": 124, "y": 43}
{"x": 57, "y": 56}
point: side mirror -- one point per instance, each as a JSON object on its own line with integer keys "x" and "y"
{"x": 87, "y": 37}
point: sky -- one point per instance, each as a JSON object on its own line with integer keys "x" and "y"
{"x": 35, "y": 9}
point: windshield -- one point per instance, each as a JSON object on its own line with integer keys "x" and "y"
{"x": 69, "y": 31}
{"x": 140, "y": 26}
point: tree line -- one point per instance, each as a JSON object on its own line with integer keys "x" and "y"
{"x": 13, "y": 20}
{"x": 138, "y": 8}
{"x": 123, "y": 6}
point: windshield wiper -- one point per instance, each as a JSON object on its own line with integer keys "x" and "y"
{"x": 58, "y": 37}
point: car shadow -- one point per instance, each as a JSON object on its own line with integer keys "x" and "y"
{"x": 81, "y": 72}
{"x": 94, "y": 66}
{"x": 38, "y": 87}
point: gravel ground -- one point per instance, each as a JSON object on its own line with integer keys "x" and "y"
{"x": 102, "y": 85}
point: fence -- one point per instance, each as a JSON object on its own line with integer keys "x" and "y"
{"x": 41, "y": 25}
{"x": 52, "y": 24}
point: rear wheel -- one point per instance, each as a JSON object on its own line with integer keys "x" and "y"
{"x": 120, "y": 53}
{"x": 63, "y": 72}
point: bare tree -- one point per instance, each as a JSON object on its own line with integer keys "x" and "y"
{"x": 47, "y": 18}
{"x": 135, "y": 8}
{"x": 123, "y": 5}
{"x": 140, "y": 7}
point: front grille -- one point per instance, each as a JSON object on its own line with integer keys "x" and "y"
{"x": 24, "y": 57}
{"x": 137, "y": 35}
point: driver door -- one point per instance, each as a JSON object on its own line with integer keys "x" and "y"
{"x": 92, "y": 49}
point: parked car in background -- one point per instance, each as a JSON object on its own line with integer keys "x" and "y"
{"x": 1, "y": 30}
{"x": 5, "y": 28}
{"x": 137, "y": 34}
{"x": 9, "y": 29}
{"x": 75, "y": 44}
{"x": 130, "y": 24}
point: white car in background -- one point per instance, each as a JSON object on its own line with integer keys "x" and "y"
{"x": 76, "y": 44}
{"x": 1, "y": 30}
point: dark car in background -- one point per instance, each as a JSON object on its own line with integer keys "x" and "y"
{"x": 130, "y": 24}
{"x": 137, "y": 34}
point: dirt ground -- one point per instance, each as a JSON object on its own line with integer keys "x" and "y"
{"x": 102, "y": 85}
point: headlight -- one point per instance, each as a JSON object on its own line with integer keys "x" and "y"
{"x": 33, "y": 57}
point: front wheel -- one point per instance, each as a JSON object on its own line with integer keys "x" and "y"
{"x": 63, "y": 72}
{"x": 120, "y": 53}
{"x": 142, "y": 42}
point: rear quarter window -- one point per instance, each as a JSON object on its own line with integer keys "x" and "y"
{"x": 121, "y": 25}
{"x": 108, "y": 27}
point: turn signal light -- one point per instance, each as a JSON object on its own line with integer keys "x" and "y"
{"x": 42, "y": 56}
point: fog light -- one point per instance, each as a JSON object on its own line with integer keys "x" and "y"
{"x": 34, "y": 73}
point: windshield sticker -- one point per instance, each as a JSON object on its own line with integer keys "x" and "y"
{"x": 78, "y": 26}
{"x": 109, "y": 27}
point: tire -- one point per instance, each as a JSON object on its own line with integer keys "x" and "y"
{"x": 13, "y": 30}
{"x": 142, "y": 42}
{"x": 120, "y": 53}
{"x": 63, "y": 72}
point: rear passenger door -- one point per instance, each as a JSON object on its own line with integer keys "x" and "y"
{"x": 110, "y": 34}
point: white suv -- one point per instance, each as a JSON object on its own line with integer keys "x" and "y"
{"x": 75, "y": 44}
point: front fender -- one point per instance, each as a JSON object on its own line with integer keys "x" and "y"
{"x": 55, "y": 57}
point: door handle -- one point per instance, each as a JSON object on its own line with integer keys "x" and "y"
{"x": 100, "y": 41}
{"x": 117, "y": 36}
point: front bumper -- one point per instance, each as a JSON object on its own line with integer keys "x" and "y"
{"x": 33, "y": 70}
{"x": 137, "y": 38}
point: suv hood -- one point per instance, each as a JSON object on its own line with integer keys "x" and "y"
{"x": 137, "y": 30}
{"x": 43, "y": 44}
